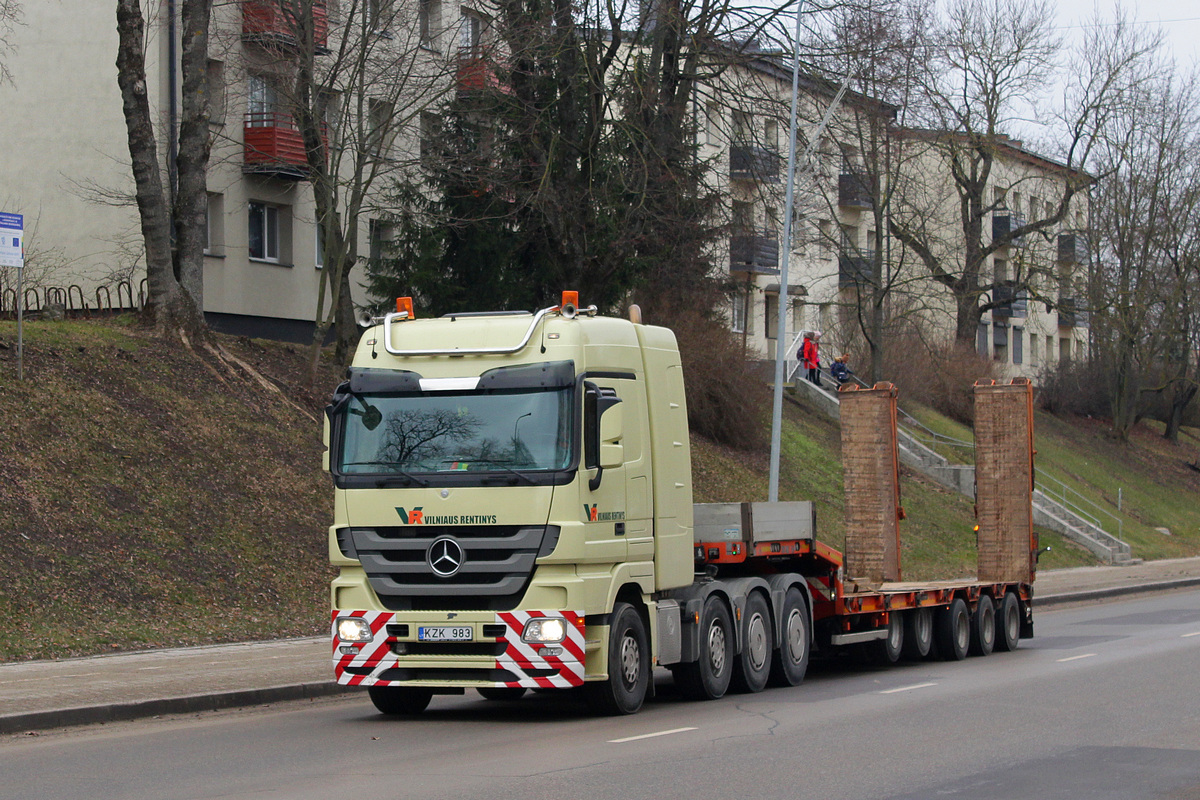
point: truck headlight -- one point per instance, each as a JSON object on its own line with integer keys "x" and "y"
{"x": 544, "y": 631}
{"x": 353, "y": 629}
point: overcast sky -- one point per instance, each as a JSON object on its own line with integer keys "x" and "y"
{"x": 1179, "y": 18}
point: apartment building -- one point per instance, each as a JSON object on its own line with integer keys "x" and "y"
{"x": 66, "y": 161}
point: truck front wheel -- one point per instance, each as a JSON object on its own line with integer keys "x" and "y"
{"x": 400, "y": 701}
{"x": 628, "y": 666}
{"x": 708, "y": 678}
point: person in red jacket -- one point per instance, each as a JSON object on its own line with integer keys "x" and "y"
{"x": 808, "y": 354}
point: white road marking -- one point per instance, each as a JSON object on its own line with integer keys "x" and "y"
{"x": 1076, "y": 658}
{"x": 1189, "y": 635}
{"x": 649, "y": 735}
{"x": 146, "y": 669}
{"x": 907, "y": 688}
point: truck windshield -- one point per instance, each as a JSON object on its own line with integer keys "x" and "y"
{"x": 412, "y": 434}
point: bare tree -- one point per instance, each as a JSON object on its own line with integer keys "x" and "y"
{"x": 10, "y": 19}
{"x": 355, "y": 77}
{"x": 989, "y": 61}
{"x": 173, "y": 217}
{"x": 1145, "y": 219}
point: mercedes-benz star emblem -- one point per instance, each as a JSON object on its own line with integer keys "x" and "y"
{"x": 445, "y": 557}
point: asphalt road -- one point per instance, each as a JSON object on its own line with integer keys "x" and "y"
{"x": 1103, "y": 704}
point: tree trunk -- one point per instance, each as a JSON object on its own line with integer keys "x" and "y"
{"x": 168, "y": 305}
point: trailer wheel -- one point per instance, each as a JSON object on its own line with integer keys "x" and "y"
{"x": 708, "y": 678}
{"x": 918, "y": 633}
{"x": 400, "y": 701}
{"x": 628, "y": 666}
{"x": 952, "y": 631}
{"x": 1010, "y": 623}
{"x": 753, "y": 665}
{"x": 983, "y": 627}
{"x": 790, "y": 661}
{"x": 887, "y": 651}
{"x": 502, "y": 692}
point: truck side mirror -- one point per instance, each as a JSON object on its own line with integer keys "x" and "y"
{"x": 600, "y": 435}
{"x": 612, "y": 452}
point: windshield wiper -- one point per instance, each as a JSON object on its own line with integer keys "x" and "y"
{"x": 392, "y": 467}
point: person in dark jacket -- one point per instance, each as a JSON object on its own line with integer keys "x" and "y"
{"x": 808, "y": 355}
{"x": 838, "y": 369}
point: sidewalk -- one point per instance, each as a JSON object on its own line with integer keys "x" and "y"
{"x": 52, "y": 694}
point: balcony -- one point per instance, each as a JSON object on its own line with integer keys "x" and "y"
{"x": 1071, "y": 313}
{"x": 265, "y": 22}
{"x": 753, "y": 163}
{"x": 754, "y": 254}
{"x": 1009, "y": 302}
{"x": 273, "y": 146}
{"x": 854, "y": 191}
{"x": 856, "y": 271}
{"x": 1005, "y": 222}
{"x": 1072, "y": 248}
{"x": 475, "y": 72}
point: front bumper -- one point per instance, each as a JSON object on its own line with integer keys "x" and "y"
{"x": 495, "y": 656}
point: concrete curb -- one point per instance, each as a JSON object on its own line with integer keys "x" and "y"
{"x": 1112, "y": 591}
{"x": 120, "y": 712}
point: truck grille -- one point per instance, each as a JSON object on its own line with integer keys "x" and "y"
{"x": 494, "y": 565}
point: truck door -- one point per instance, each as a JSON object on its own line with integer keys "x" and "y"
{"x": 603, "y": 476}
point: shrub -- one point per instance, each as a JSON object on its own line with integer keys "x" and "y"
{"x": 1074, "y": 387}
{"x": 727, "y": 401}
{"x": 940, "y": 376}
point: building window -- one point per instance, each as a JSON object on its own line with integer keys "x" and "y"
{"x": 739, "y": 312}
{"x": 1064, "y": 349}
{"x": 263, "y": 242}
{"x": 1018, "y": 345}
{"x": 470, "y": 32}
{"x": 319, "y": 248}
{"x": 823, "y": 233}
{"x": 1000, "y": 342}
{"x": 380, "y": 235}
{"x": 712, "y": 128}
{"x": 379, "y": 15}
{"x": 430, "y": 20}
{"x": 1033, "y": 349}
{"x": 379, "y": 120}
{"x": 771, "y": 309}
{"x": 772, "y": 135}
{"x": 214, "y": 225}
{"x": 261, "y": 102}
{"x": 981, "y": 339}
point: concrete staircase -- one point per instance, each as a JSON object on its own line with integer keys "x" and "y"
{"x": 1054, "y": 513}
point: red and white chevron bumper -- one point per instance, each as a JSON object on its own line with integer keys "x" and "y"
{"x": 388, "y": 660}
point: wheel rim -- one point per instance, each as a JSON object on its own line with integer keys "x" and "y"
{"x": 988, "y": 634}
{"x": 895, "y": 633}
{"x": 1011, "y": 623}
{"x": 756, "y": 641}
{"x": 631, "y": 658}
{"x": 796, "y": 642}
{"x": 962, "y": 630}
{"x": 924, "y": 626}
{"x": 716, "y": 648}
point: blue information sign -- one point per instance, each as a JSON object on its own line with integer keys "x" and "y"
{"x": 12, "y": 231}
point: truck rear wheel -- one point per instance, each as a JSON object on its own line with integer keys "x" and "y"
{"x": 983, "y": 627}
{"x": 400, "y": 701}
{"x": 628, "y": 666}
{"x": 918, "y": 633}
{"x": 1009, "y": 618}
{"x": 887, "y": 651}
{"x": 753, "y": 665}
{"x": 790, "y": 661}
{"x": 708, "y": 678}
{"x": 952, "y": 631}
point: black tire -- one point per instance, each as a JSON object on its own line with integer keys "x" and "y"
{"x": 887, "y": 651}
{"x": 752, "y": 667}
{"x": 502, "y": 692}
{"x": 952, "y": 631}
{"x": 628, "y": 666}
{"x": 1008, "y": 623}
{"x": 983, "y": 627}
{"x": 918, "y": 633}
{"x": 708, "y": 678}
{"x": 790, "y": 662}
{"x": 400, "y": 701}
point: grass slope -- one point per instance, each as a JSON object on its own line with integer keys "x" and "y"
{"x": 155, "y": 495}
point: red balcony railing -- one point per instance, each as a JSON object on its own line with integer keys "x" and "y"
{"x": 273, "y": 145}
{"x": 276, "y": 21}
{"x": 476, "y": 72}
